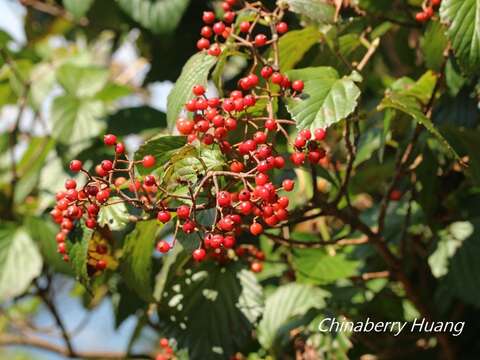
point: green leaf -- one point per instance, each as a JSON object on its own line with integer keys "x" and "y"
{"x": 78, "y": 8}
{"x": 320, "y": 11}
{"x": 76, "y": 120}
{"x": 433, "y": 45}
{"x": 205, "y": 306}
{"x": 409, "y": 105}
{"x": 30, "y": 166}
{"x": 451, "y": 239}
{"x": 202, "y": 160}
{"x": 82, "y": 81}
{"x": 326, "y": 99}
{"x": 158, "y": 16}
{"x": 162, "y": 147}
{"x": 194, "y": 72}
{"x": 43, "y": 231}
{"x": 116, "y": 216}
{"x": 134, "y": 120}
{"x": 20, "y": 261}
{"x": 316, "y": 266}
{"x": 137, "y": 258}
{"x": 463, "y": 17}
{"x": 113, "y": 91}
{"x": 294, "y": 45}
{"x": 78, "y": 253}
{"x": 286, "y": 303}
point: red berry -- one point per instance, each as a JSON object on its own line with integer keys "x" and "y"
{"x": 436, "y": 2}
{"x": 219, "y": 28}
{"x": 110, "y": 139}
{"x": 188, "y": 227}
{"x": 75, "y": 165}
{"x": 208, "y": 17}
{"x": 101, "y": 265}
{"x": 183, "y": 211}
{"x": 203, "y": 44}
{"x": 256, "y": 267}
{"x": 163, "y": 247}
{"x": 228, "y": 105}
{"x": 249, "y": 100}
{"x": 224, "y": 199}
{"x": 244, "y": 26}
{"x": 395, "y": 195}
{"x": 245, "y": 207}
{"x": 206, "y": 31}
{"x": 260, "y": 40}
{"x": 102, "y": 196}
{"x": 148, "y": 161}
{"x": 120, "y": 148}
{"x": 185, "y": 126}
{"x": 277, "y": 78}
{"x": 164, "y": 216}
{"x": 256, "y": 229}
{"x": 261, "y": 179}
{"x": 298, "y": 85}
{"x": 214, "y": 50}
{"x": 149, "y": 180}
{"x": 100, "y": 172}
{"x": 282, "y": 27}
{"x": 421, "y": 17}
{"x": 279, "y": 162}
{"x": 208, "y": 139}
{"x": 231, "y": 123}
{"x": 244, "y": 195}
{"x": 288, "y": 184}
{"x": 300, "y": 141}
{"x": 298, "y": 158}
{"x": 271, "y": 125}
{"x": 236, "y": 167}
{"x": 260, "y": 137}
{"x": 428, "y": 12}
{"x": 229, "y": 16}
{"x": 90, "y": 223}
{"x": 320, "y": 134}
{"x": 70, "y": 184}
{"x": 229, "y": 241}
{"x": 199, "y": 255}
{"x": 106, "y": 165}
{"x": 61, "y": 248}
{"x": 198, "y": 90}
{"x": 266, "y": 72}
{"x": 164, "y": 342}
{"x": 283, "y": 202}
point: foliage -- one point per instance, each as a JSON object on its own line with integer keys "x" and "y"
{"x": 382, "y": 221}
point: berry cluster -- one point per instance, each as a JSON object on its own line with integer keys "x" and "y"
{"x": 428, "y": 10}
{"x": 166, "y": 350}
{"x": 84, "y": 202}
{"x": 243, "y": 195}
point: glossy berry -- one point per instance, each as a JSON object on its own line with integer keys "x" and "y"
{"x": 208, "y": 17}
{"x": 319, "y": 134}
{"x": 395, "y": 195}
{"x": 199, "y": 255}
{"x": 164, "y": 342}
{"x": 198, "y": 90}
{"x": 120, "y": 148}
{"x": 148, "y": 161}
{"x": 164, "y": 216}
{"x": 206, "y": 31}
{"x": 244, "y": 26}
{"x": 298, "y": 85}
{"x": 185, "y": 126}
{"x": 110, "y": 139}
{"x": 163, "y": 247}
{"x": 219, "y": 28}
{"x": 282, "y": 27}
{"x": 101, "y": 265}
{"x": 256, "y": 229}
{"x": 260, "y": 40}
{"x": 224, "y": 199}
{"x": 70, "y": 184}
{"x": 256, "y": 267}
{"x": 203, "y": 44}
{"x": 106, "y": 165}
{"x": 236, "y": 167}
{"x": 76, "y": 165}
{"x": 288, "y": 184}
{"x": 266, "y": 72}
{"x": 183, "y": 211}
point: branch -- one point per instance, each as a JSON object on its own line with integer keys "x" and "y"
{"x": 35, "y": 342}
{"x": 317, "y": 244}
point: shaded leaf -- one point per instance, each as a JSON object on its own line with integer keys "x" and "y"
{"x": 203, "y": 308}
{"x": 433, "y": 45}
{"x": 163, "y": 148}
{"x": 320, "y": 11}
{"x": 134, "y": 120}
{"x": 137, "y": 258}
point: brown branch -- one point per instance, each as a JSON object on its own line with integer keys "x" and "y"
{"x": 35, "y": 342}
